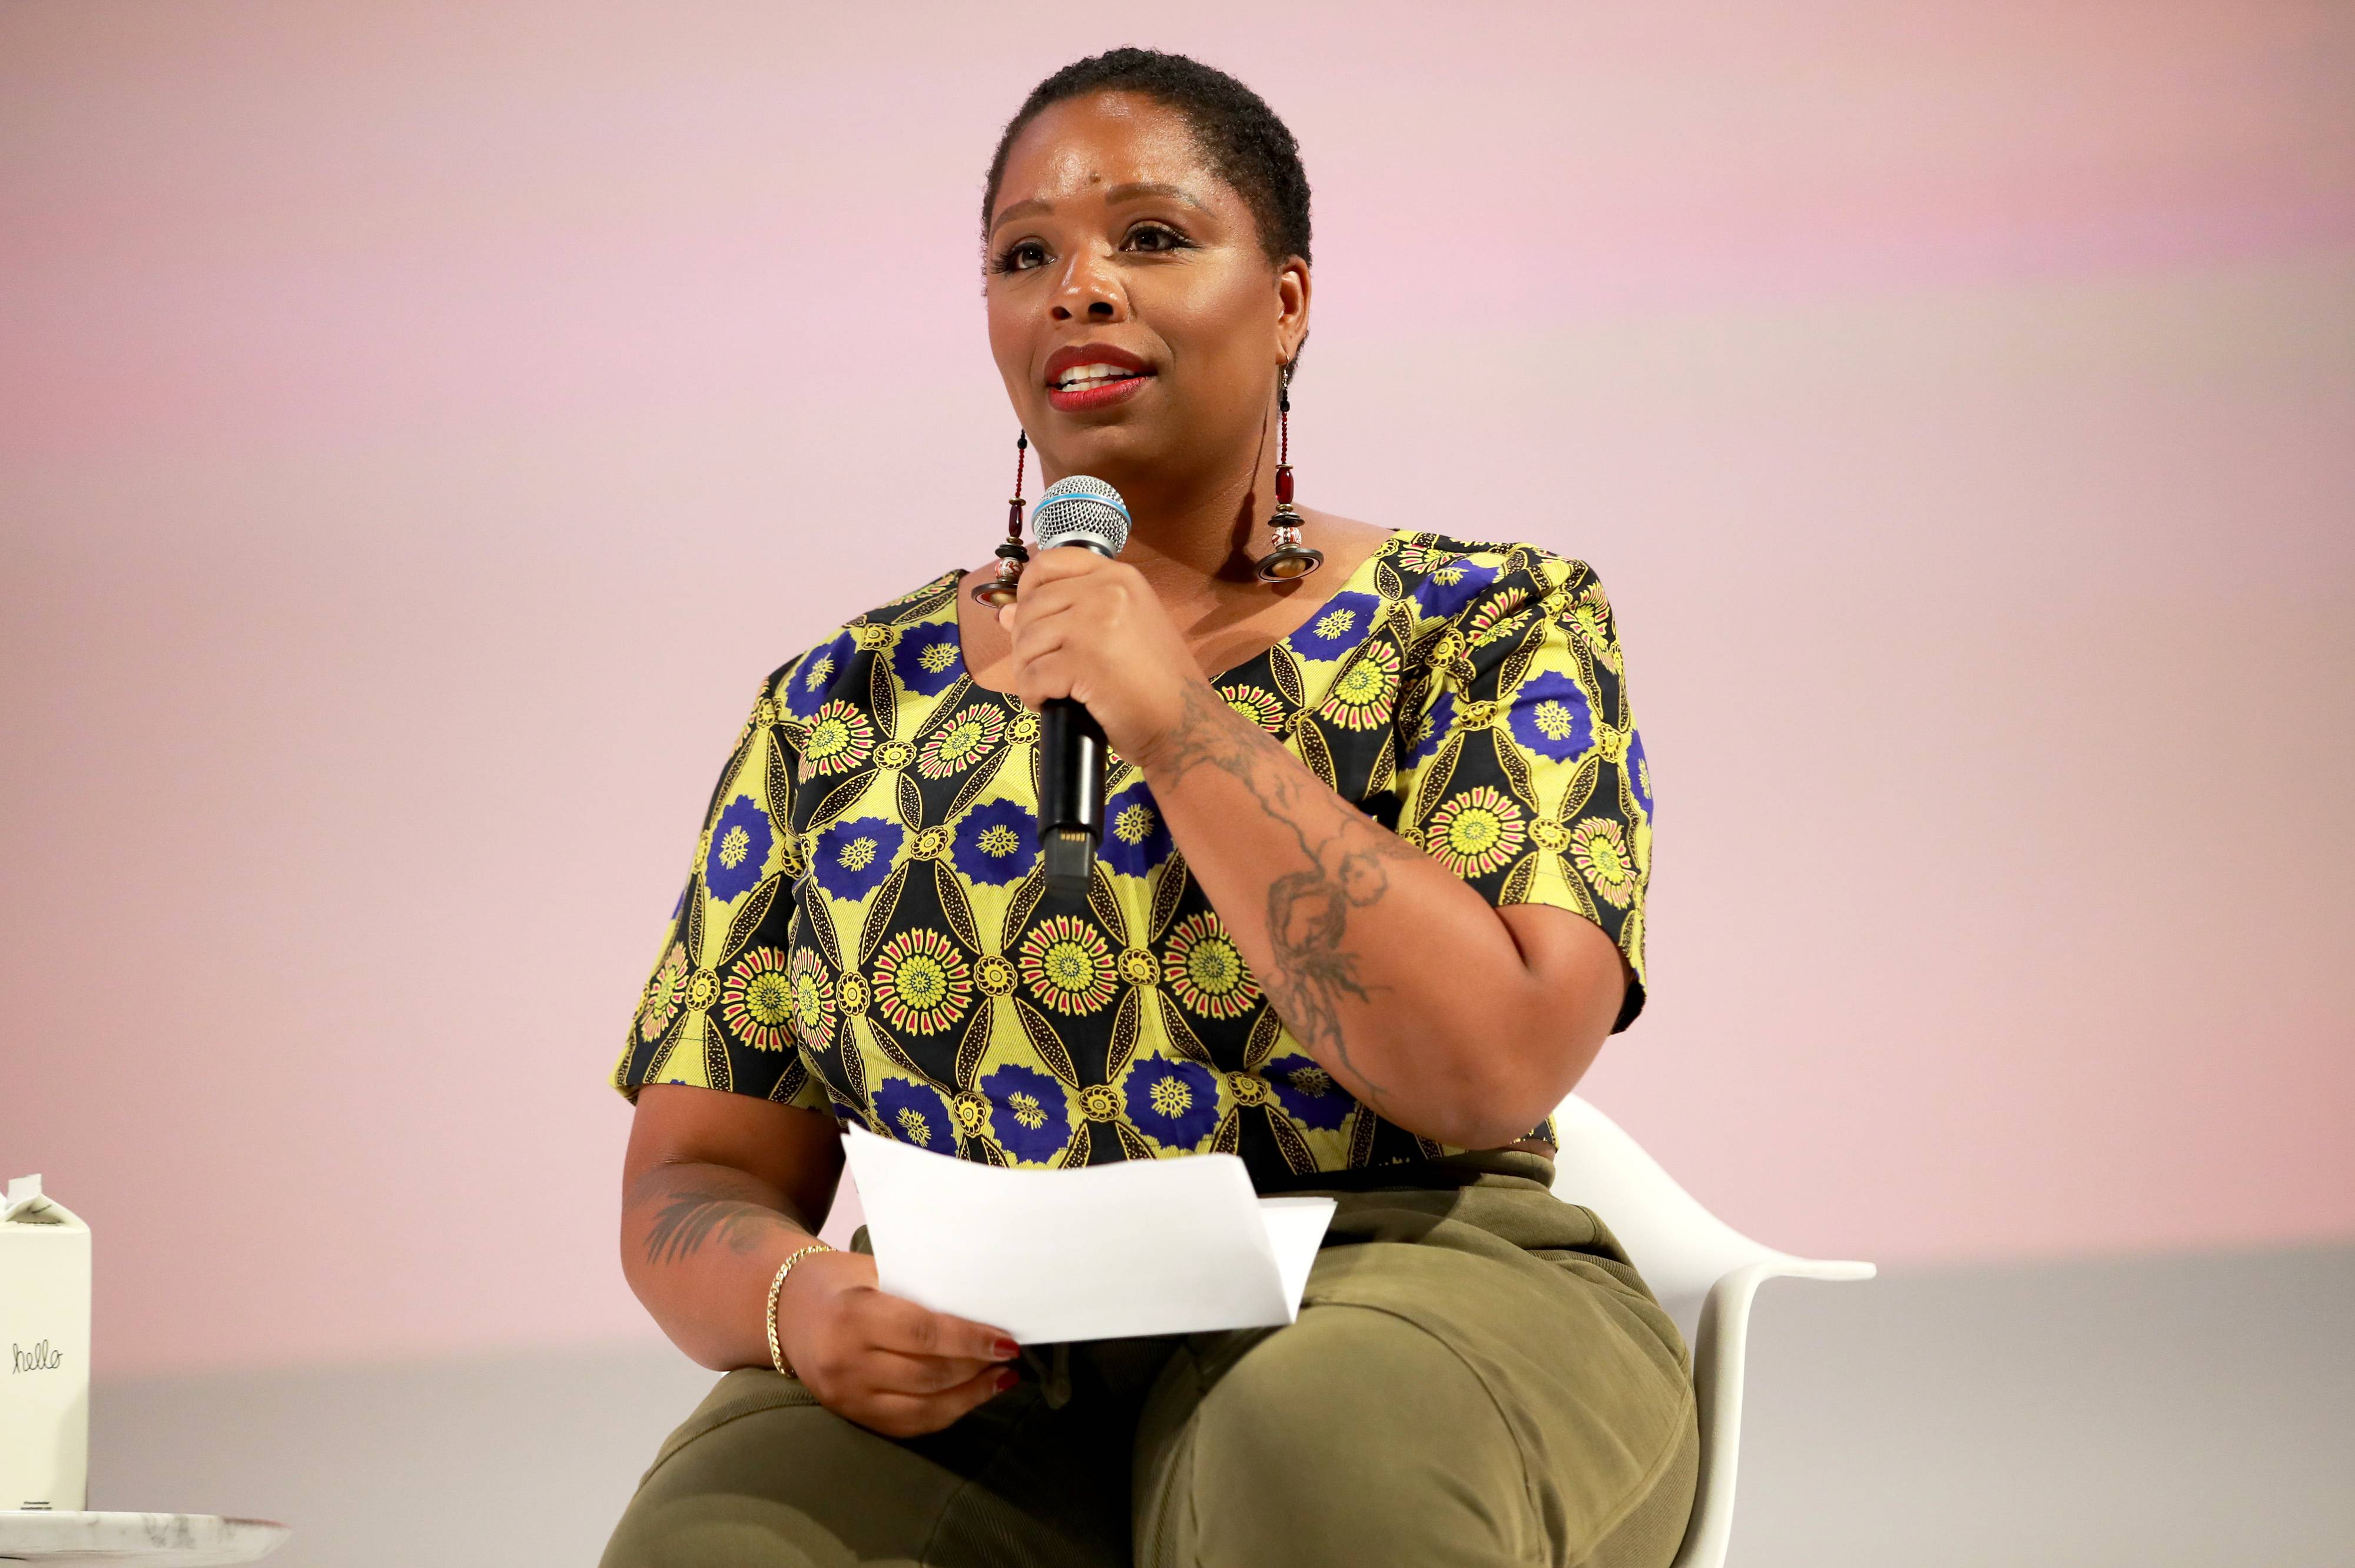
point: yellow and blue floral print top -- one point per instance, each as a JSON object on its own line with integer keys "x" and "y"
{"x": 864, "y": 927}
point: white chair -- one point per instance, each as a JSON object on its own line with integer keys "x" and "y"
{"x": 1703, "y": 1271}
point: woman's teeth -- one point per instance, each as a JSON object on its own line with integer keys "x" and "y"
{"x": 1089, "y": 376}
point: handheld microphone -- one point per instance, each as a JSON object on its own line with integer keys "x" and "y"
{"x": 1083, "y": 510}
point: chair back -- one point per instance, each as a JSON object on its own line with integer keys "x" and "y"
{"x": 1679, "y": 1247}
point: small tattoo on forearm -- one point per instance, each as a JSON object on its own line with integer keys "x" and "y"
{"x": 691, "y": 1216}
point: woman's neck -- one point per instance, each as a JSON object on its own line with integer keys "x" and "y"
{"x": 1189, "y": 531}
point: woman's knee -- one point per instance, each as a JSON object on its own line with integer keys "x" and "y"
{"x": 778, "y": 1487}
{"x": 667, "y": 1529}
{"x": 1350, "y": 1436}
{"x": 1367, "y": 1376}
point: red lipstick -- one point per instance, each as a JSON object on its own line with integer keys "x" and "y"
{"x": 1092, "y": 376}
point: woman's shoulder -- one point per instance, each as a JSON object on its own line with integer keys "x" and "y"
{"x": 1425, "y": 552}
{"x": 912, "y": 629}
{"x": 1447, "y": 576}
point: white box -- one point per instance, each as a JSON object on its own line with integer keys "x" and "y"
{"x": 45, "y": 1337}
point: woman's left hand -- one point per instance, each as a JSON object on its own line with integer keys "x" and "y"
{"x": 1092, "y": 629}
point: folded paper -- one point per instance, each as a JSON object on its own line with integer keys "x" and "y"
{"x": 1140, "y": 1246}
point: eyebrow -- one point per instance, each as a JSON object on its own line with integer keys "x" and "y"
{"x": 1133, "y": 190}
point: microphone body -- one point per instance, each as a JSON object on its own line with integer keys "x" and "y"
{"x": 1086, "y": 512}
{"x": 1070, "y": 795}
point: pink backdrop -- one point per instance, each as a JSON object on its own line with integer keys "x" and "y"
{"x": 421, "y": 424}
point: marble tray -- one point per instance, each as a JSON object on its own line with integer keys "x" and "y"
{"x": 157, "y": 1539}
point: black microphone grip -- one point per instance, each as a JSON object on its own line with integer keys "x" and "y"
{"x": 1070, "y": 795}
{"x": 1070, "y": 782}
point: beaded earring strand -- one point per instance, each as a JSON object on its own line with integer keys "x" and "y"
{"x": 1290, "y": 560}
{"x": 1011, "y": 557}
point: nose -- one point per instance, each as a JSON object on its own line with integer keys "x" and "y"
{"x": 1088, "y": 289}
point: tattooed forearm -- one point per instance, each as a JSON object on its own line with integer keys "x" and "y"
{"x": 690, "y": 1215}
{"x": 1308, "y": 909}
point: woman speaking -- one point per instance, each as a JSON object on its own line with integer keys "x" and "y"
{"x": 1369, "y": 898}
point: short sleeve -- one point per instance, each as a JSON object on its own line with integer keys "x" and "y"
{"x": 1521, "y": 770}
{"x": 717, "y": 1011}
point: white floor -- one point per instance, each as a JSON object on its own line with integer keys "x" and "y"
{"x": 2198, "y": 1412}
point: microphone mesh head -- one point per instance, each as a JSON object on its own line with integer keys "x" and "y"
{"x": 1080, "y": 509}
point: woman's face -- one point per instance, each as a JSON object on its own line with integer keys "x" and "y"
{"x": 1137, "y": 321}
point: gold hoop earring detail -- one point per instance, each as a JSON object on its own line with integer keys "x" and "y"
{"x": 999, "y": 591}
{"x": 1290, "y": 560}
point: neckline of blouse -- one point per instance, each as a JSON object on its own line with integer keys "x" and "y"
{"x": 1351, "y": 584}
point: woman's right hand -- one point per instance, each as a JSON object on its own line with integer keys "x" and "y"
{"x": 882, "y": 1361}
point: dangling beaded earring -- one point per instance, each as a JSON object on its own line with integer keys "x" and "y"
{"x": 1290, "y": 560}
{"x": 1011, "y": 557}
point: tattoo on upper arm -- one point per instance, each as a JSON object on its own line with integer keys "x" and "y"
{"x": 691, "y": 1215}
{"x": 1308, "y": 909}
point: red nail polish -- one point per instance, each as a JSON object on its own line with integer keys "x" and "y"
{"x": 1007, "y": 1379}
{"x": 1004, "y": 1348}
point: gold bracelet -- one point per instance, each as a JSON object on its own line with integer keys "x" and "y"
{"x": 777, "y": 1356}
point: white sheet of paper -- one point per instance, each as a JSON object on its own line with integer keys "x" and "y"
{"x": 1143, "y": 1247}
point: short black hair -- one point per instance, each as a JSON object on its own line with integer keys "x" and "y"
{"x": 1241, "y": 136}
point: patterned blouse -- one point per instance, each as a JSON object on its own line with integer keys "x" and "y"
{"x": 864, "y": 927}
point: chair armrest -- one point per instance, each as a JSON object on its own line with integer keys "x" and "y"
{"x": 1720, "y": 1353}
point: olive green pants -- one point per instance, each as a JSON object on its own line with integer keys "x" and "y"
{"x": 1476, "y": 1376}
